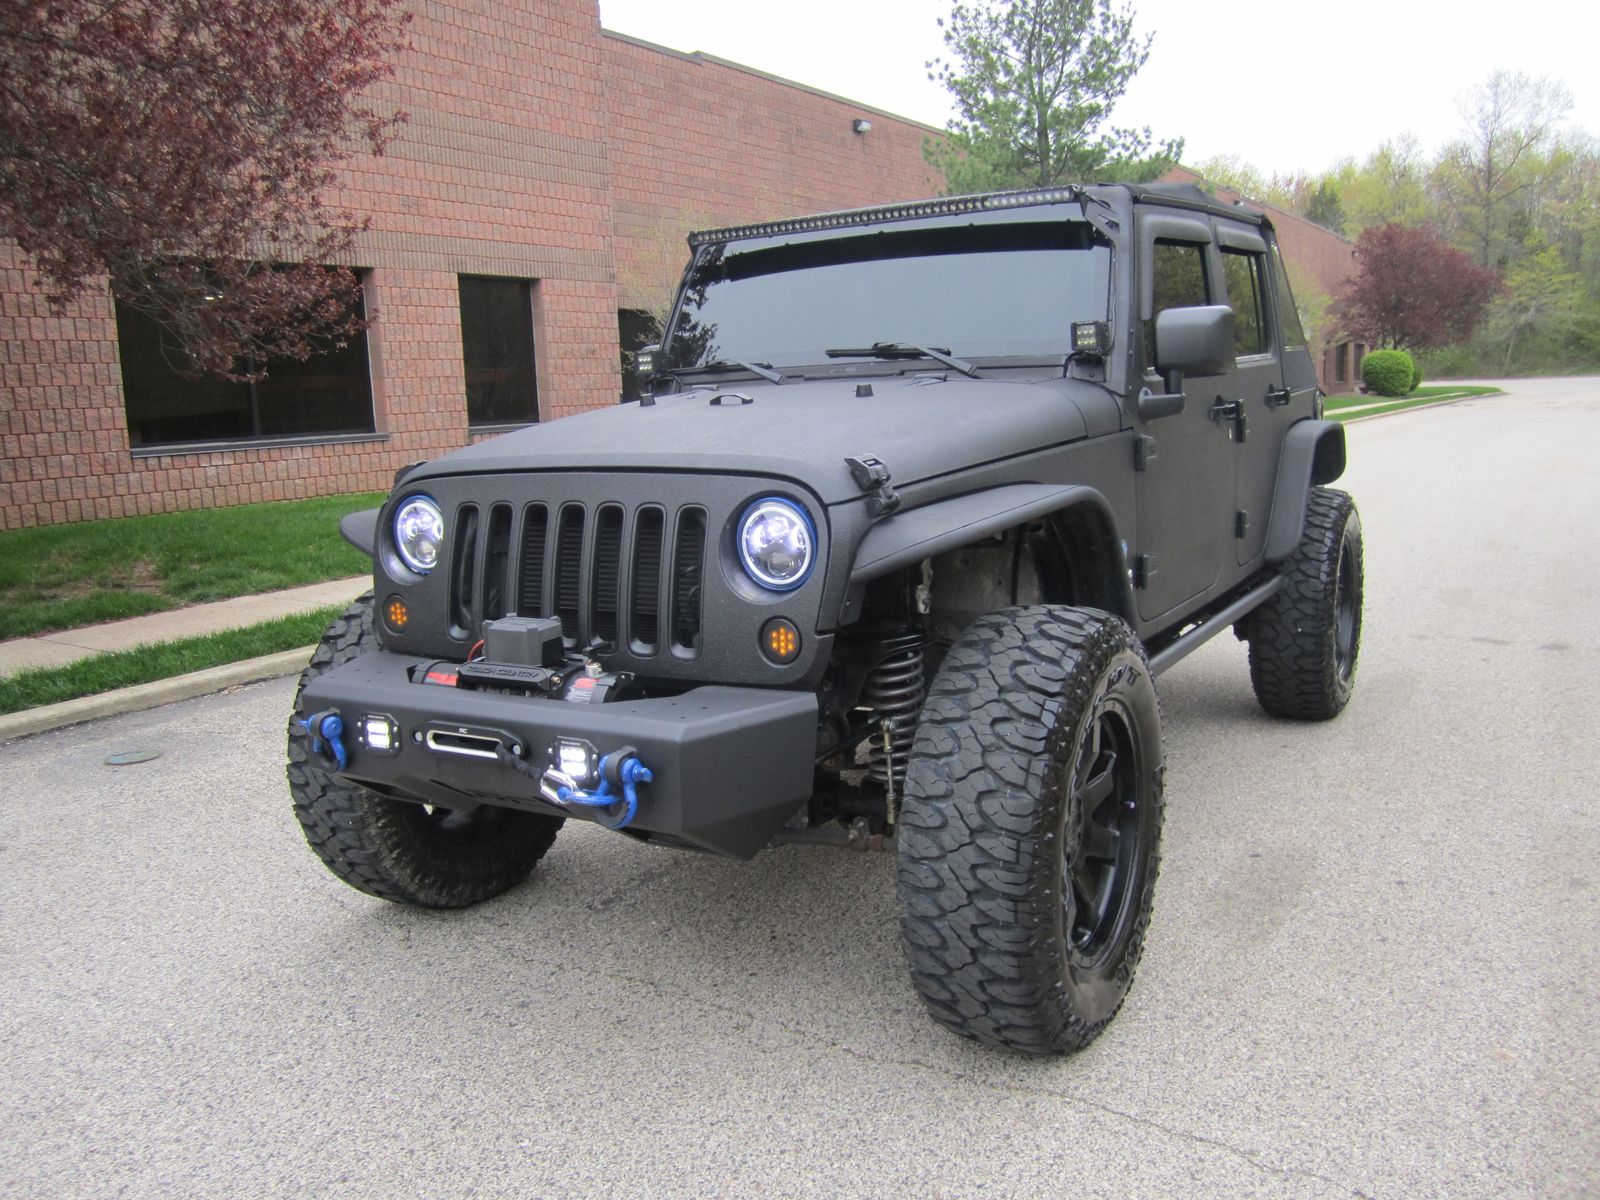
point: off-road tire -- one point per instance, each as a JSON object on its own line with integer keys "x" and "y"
{"x": 393, "y": 849}
{"x": 1011, "y": 741}
{"x": 1305, "y": 642}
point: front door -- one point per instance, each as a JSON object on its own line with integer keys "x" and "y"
{"x": 1184, "y": 477}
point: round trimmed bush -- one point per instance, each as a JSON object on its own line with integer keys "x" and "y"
{"x": 1416, "y": 374}
{"x": 1388, "y": 372}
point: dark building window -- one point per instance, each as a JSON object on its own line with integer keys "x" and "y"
{"x": 635, "y": 330}
{"x": 328, "y": 394}
{"x": 497, "y": 351}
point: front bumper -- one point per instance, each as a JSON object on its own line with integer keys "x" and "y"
{"x": 730, "y": 764}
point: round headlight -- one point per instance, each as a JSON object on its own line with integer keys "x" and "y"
{"x": 419, "y": 533}
{"x": 777, "y": 544}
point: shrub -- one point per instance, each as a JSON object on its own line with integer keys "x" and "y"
{"x": 1388, "y": 372}
{"x": 1416, "y": 375}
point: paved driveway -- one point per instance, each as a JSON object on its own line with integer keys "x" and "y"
{"x": 1374, "y": 968}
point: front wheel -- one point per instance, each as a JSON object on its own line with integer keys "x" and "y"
{"x": 393, "y": 849}
{"x": 1029, "y": 840}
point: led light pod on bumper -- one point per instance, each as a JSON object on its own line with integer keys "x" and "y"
{"x": 419, "y": 533}
{"x": 777, "y": 544}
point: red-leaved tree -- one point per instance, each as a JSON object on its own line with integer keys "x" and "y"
{"x": 181, "y": 147}
{"x": 1413, "y": 291}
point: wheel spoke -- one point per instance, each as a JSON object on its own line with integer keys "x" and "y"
{"x": 1101, "y": 783}
{"x": 1086, "y": 889}
{"x": 1098, "y": 843}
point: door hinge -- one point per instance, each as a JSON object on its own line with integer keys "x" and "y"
{"x": 1241, "y": 523}
{"x": 1144, "y": 570}
{"x": 1277, "y": 397}
{"x": 1144, "y": 452}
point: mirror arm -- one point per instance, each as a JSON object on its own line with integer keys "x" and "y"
{"x": 1153, "y": 407}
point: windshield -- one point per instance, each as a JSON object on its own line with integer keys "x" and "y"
{"x": 977, "y": 291}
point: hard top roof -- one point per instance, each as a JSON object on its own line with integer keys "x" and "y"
{"x": 1181, "y": 195}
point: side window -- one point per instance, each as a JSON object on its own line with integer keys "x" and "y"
{"x": 1247, "y": 295}
{"x": 1178, "y": 280}
{"x": 1294, "y": 334}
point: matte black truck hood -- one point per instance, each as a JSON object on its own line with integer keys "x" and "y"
{"x": 920, "y": 426}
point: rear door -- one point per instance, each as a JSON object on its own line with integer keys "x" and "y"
{"x": 1255, "y": 389}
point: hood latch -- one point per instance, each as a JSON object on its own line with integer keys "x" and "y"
{"x": 872, "y": 476}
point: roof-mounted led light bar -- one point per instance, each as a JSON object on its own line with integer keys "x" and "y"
{"x": 949, "y": 206}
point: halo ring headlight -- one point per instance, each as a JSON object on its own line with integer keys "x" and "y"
{"x": 419, "y": 533}
{"x": 777, "y": 544}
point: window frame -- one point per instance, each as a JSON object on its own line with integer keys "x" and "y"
{"x": 375, "y": 432}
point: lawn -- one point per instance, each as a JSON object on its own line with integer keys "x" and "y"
{"x": 162, "y": 660}
{"x": 1373, "y": 406}
{"x": 64, "y": 576}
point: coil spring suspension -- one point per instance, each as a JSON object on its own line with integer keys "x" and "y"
{"x": 894, "y": 691}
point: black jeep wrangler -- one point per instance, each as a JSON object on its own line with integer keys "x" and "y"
{"x": 920, "y": 501}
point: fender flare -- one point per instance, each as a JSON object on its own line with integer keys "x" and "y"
{"x": 360, "y": 529}
{"x": 911, "y": 536}
{"x": 1313, "y": 453}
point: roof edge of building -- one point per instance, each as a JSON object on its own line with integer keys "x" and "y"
{"x": 700, "y": 56}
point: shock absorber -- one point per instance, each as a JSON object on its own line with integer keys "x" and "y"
{"x": 894, "y": 691}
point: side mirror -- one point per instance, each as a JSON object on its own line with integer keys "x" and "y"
{"x": 1189, "y": 341}
{"x": 1195, "y": 341}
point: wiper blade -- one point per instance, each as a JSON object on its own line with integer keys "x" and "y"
{"x": 907, "y": 350}
{"x": 734, "y": 364}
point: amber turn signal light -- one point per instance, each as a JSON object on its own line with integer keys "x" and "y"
{"x": 395, "y": 613}
{"x": 780, "y": 641}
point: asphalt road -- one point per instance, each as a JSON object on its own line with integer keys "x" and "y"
{"x": 1373, "y": 969}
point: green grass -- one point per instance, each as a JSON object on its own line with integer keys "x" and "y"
{"x": 161, "y": 660}
{"x": 64, "y": 576}
{"x": 1372, "y": 406}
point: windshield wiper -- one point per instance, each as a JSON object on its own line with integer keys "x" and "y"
{"x": 734, "y": 364}
{"x": 907, "y": 350}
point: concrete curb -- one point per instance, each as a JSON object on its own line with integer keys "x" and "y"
{"x": 152, "y": 695}
{"x": 1442, "y": 402}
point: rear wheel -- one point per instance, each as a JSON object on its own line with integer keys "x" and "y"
{"x": 1306, "y": 640}
{"x": 1029, "y": 839}
{"x": 409, "y": 853}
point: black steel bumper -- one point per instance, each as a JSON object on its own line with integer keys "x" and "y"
{"x": 730, "y": 764}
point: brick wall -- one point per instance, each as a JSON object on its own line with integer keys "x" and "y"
{"x": 698, "y": 142}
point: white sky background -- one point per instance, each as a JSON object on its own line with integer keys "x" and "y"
{"x": 1286, "y": 87}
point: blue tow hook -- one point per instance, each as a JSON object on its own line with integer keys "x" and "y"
{"x": 621, "y": 772}
{"x": 326, "y": 731}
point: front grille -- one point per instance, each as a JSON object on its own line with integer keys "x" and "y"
{"x": 609, "y": 572}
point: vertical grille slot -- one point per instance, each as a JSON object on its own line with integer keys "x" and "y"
{"x": 644, "y": 617}
{"x": 497, "y": 563}
{"x": 464, "y": 572}
{"x": 688, "y": 564}
{"x": 604, "y": 599}
{"x": 569, "y": 570}
{"x": 531, "y": 601}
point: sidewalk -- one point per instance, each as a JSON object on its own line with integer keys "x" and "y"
{"x": 69, "y": 645}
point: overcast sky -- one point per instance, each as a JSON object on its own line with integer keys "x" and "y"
{"x": 1296, "y": 90}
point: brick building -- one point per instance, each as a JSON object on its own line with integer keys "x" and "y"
{"x": 532, "y": 210}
